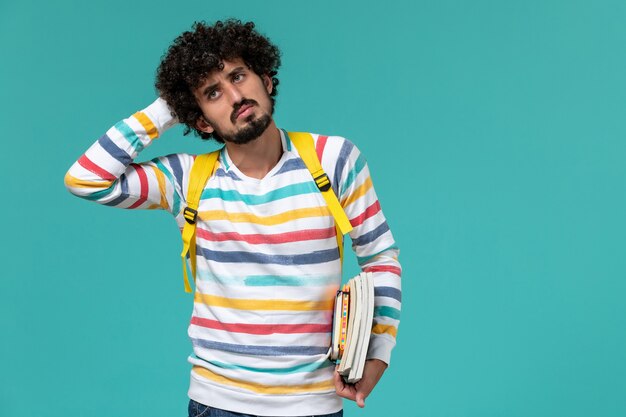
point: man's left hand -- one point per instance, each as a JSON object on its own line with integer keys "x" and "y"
{"x": 358, "y": 392}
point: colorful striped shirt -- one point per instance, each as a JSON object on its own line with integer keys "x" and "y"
{"x": 268, "y": 265}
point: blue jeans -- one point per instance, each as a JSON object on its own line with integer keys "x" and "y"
{"x": 199, "y": 410}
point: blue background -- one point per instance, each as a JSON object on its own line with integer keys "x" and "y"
{"x": 494, "y": 131}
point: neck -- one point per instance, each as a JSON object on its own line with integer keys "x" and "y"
{"x": 256, "y": 158}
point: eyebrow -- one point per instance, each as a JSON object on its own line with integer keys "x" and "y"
{"x": 208, "y": 89}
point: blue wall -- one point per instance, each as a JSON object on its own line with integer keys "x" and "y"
{"x": 495, "y": 134}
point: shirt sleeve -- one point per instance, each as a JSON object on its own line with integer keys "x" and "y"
{"x": 372, "y": 240}
{"x": 106, "y": 173}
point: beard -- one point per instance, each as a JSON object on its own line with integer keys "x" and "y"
{"x": 251, "y": 131}
{"x": 253, "y": 128}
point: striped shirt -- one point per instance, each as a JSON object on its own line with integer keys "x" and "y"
{"x": 268, "y": 265}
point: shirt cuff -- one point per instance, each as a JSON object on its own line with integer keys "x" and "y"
{"x": 161, "y": 115}
{"x": 380, "y": 348}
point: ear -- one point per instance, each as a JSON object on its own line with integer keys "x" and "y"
{"x": 203, "y": 125}
{"x": 267, "y": 81}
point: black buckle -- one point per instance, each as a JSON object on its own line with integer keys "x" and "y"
{"x": 323, "y": 182}
{"x": 190, "y": 215}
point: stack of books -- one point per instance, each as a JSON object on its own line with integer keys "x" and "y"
{"x": 352, "y": 326}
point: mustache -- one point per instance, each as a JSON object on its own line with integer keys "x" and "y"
{"x": 238, "y": 106}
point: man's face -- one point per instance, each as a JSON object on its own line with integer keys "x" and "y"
{"x": 235, "y": 102}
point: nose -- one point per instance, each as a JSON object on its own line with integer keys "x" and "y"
{"x": 233, "y": 93}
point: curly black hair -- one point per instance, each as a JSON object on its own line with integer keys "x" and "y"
{"x": 196, "y": 53}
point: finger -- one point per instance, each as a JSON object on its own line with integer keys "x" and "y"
{"x": 363, "y": 389}
{"x": 365, "y": 386}
{"x": 360, "y": 399}
{"x": 342, "y": 389}
{"x": 339, "y": 384}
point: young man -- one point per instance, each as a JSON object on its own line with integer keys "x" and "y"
{"x": 268, "y": 264}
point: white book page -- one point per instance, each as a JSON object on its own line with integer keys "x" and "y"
{"x": 359, "y": 339}
{"x": 368, "y": 291}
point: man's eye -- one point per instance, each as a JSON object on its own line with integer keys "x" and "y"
{"x": 213, "y": 94}
{"x": 238, "y": 77}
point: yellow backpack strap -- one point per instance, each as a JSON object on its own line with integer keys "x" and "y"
{"x": 306, "y": 148}
{"x": 201, "y": 171}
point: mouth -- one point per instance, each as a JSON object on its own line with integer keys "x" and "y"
{"x": 244, "y": 111}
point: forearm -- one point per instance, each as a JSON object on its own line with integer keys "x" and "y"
{"x": 386, "y": 273}
{"x": 105, "y": 173}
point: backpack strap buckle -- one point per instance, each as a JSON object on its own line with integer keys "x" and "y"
{"x": 323, "y": 182}
{"x": 190, "y": 215}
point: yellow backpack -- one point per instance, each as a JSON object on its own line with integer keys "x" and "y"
{"x": 203, "y": 168}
